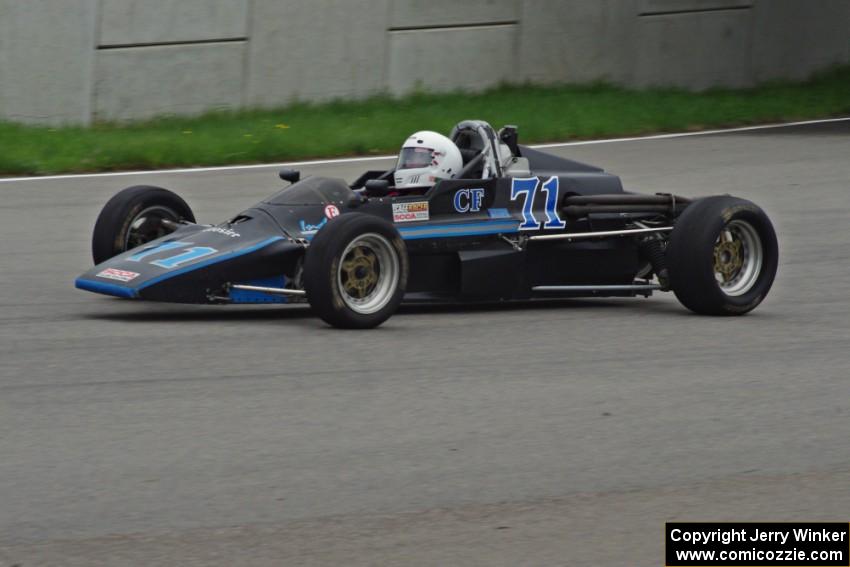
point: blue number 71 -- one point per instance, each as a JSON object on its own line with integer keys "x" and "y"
{"x": 187, "y": 255}
{"x": 529, "y": 187}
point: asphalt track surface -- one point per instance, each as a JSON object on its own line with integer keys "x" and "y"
{"x": 549, "y": 434}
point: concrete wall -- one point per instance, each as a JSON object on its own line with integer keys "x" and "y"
{"x": 788, "y": 42}
{"x": 137, "y": 22}
{"x": 694, "y": 49}
{"x": 315, "y": 50}
{"x": 47, "y": 59}
{"x": 84, "y": 60}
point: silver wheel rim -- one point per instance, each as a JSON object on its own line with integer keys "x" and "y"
{"x": 368, "y": 273}
{"x": 147, "y": 226}
{"x": 738, "y": 258}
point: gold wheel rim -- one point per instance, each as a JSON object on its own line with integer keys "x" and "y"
{"x": 368, "y": 273}
{"x": 728, "y": 256}
{"x": 360, "y": 271}
{"x": 738, "y": 257}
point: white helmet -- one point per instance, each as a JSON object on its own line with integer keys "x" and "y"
{"x": 425, "y": 158}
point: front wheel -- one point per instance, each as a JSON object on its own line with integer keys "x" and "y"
{"x": 355, "y": 271}
{"x": 135, "y": 216}
{"x": 722, "y": 256}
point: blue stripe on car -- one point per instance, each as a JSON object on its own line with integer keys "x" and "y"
{"x": 132, "y": 292}
{"x": 244, "y": 296}
{"x": 106, "y": 288}
{"x": 211, "y": 261}
{"x": 450, "y": 230}
{"x": 458, "y": 229}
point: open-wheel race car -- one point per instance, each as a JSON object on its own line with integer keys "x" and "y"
{"x": 510, "y": 223}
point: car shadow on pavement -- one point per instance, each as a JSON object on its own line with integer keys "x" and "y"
{"x": 494, "y": 306}
{"x": 175, "y": 313}
{"x": 274, "y": 313}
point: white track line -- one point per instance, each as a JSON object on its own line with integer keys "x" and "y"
{"x": 376, "y": 158}
{"x": 694, "y": 133}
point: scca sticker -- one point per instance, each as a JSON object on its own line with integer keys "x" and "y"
{"x": 409, "y": 212}
{"x": 119, "y": 275}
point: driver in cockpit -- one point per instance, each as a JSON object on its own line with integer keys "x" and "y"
{"x": 426, "y": 157}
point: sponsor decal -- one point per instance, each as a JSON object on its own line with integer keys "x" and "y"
{"x": 468, "y": 200}
{"x": 331, "y": 211}
{"x": 409, "y": 212}
{"x": 119, "y": 275}
{"x": 308, "y": 228}
{"x": 499, "y": 213}
{"x": 224, "y": 231}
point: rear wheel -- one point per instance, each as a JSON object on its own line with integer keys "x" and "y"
{"x": 355, "y": 271}
{"x": 722, "y": 256}
{"x": 135, "y": 216}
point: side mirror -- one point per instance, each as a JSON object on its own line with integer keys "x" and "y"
{"x": 291, "y": 175}
{"x": 378, "y": 187}
{"x": 355, "y": 201}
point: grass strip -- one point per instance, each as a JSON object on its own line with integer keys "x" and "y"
{"x": 379, "y": 125}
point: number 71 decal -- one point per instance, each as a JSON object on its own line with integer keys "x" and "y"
{"x": 529, "y": 187}
{"x": 186, "y": 255}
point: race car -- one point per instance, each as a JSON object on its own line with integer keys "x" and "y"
{"x": 513, "y": 223}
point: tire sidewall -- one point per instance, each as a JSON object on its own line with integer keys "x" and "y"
{"x": 691, "y": 250}
{"x": 322, "y": 264}
{"x": 113, "y": 223}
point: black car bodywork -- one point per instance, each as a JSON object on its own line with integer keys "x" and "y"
{"x": 517, "y": 223}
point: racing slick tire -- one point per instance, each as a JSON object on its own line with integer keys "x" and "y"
{"x": 355, "y": 271}
{"x": 132, "y": 218}
{"x": 722, "y": 256}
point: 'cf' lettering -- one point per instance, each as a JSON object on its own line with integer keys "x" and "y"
{"x": 468, "y": 200}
